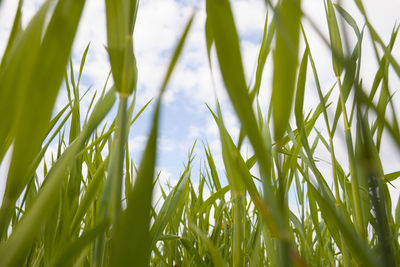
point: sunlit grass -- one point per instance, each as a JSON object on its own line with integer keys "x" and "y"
{"x": 93, "y": 208}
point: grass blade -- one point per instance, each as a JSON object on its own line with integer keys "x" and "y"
{"x": 285, "y": 63}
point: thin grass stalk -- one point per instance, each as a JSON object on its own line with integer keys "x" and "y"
{"x": 352, "y": 167}
{"x": 331, "y": 151}
{"x": 117, "y": 160}
{"x": 349, "y": 68}
{"x": 373, "y": 170}
{"x": 237, "y": 251}
{"x": 377, "y": 198}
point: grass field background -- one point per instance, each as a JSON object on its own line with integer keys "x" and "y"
{"x": 297, "y": 146}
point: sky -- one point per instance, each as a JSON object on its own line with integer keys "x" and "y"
{"x": 185, "y": 117}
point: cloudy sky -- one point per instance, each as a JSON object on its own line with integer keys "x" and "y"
{"x": 185, "y": 116}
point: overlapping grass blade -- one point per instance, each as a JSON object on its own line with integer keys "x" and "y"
{"x": 13, "y": 89}
{"x": 335, "y": 37}
{"x": 121, "y": 16}
{"x": 15, "y": 249}
{"x": 94, "y": 206}
{"x": 131, "y": 242}
{"x": 169, "y": 206}
{"x": 35, "y": 110}
{"x": 228, "y": 52}
{"x": 285, "y": 63}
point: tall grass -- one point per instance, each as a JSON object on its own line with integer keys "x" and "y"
{"x": 95, "y": 209}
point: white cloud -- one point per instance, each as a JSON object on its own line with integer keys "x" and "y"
{"x": 167, "y": 144}
{"x": 194, "y": 131}
{"x": 137, "y": 143}
{"x": 7, "y": 13}
{"x": 249, "y": 17}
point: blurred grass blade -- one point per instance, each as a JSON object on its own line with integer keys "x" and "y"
{"x": 116, "y": 164}
{"x": 188, "y": 245}
{"x": 392, "y": 176}
{"x": 336, "y": 40}
{"x": 349, "y": 19}
{"x": 121, "y": 16}
{"x": 22, "y": 55}
{"x": 358, "y": 248}
{"x": 88, "y": 198}
{"x": 373, "y": 174}
{"x": 215, "y": 254}
{"x": 168, "y": 208}
{"x": 301, "y": 84}
{"x": 131, "y": 242}
{"x": 265, "y": 48}
{"x": 15, "y": 249}
{"x": 74, "y": 248}
{"x": 34, "y": 117}
{"x": 228, "y": 51}
{"x": 285, "y": 63}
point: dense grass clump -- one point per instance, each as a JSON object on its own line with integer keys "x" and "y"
{"x": 93, "y": 208}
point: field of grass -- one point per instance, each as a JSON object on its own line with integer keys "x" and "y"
{"x": 94, "y": 207}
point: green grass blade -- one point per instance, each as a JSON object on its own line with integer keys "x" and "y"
{"x": 211, "y": 200}
{"x": 131, "y": 241}
{"x": 301, "y": 84}
{"x": 120, "y": 17}
{"x": 188, "y": 245}
{"x": 15, "y": 249}
{"x": 349, "y": 19}
{"x": 215, "y": 254}
{"x": 359, "y": 249}
{"x": 22, "y": 55}
{"x": 73, "y": 249}
{"x": 265, "y": 48}
{"x": 88, "y": 198}
{"x": 169, "y": 206}
{"x": 285, "y": 64}
{"x": 335, "y": 38}
{"x": 116, "y": 164}
{"x": 32, "y": 122}
{"x": 228, "y": 51}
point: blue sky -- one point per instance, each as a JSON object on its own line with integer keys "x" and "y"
{"x": 185, "y": 116}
